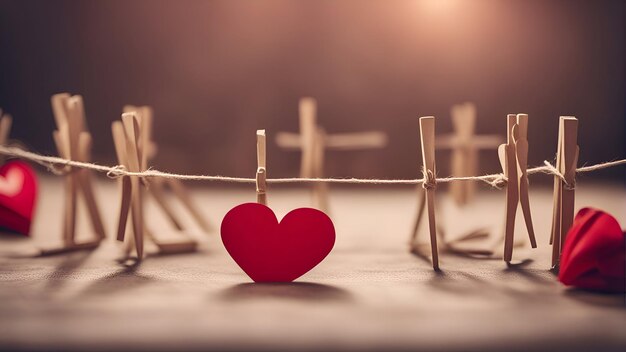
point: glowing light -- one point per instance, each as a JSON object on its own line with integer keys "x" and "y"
{"x": 437, "y": 6}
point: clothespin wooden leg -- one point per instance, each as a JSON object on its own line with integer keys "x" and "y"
{"x": 556, "y": 210}
{"x": 84, "y": 145}
{"x": 508, "y": 160}
{"x": 311, "y": 157}
{"x": 320, "y": 192}
{"x": 427, "y": 132}
{"x": 131, "y": 128}
{"x": 5, "y": 129}
{"x": 471, "y": 169}
{"x": 570, "y": 161}
{"x": 566, "y": 164}
{"x": 74, "y": 115}
{"x": 119, "y": 139}
{"x": 61, "y": 138}
{"x": 179, "y": 190}
{"x": 261, "y": 171}
{"x": 155, "y": 188}
{"x": 471, "y": 164}
{"x": 308, "y": 129}
{"x": 556, "y": 223}
{"x": 137, "y": 216}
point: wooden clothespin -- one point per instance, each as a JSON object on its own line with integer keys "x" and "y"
{"x": 313, "y": 142}
{"x": 564, "y": 189}
{"x": 521, "y": 153}
{"x": 5, "y": 128}
{"x": 261, "y": 171}
{"x": 514, "y": 164}
{"x": 465, "y": 145}
{"x": 73, "y": 142}
{"x": 130, "y": 126}
{"x": 131, "y": 144}
{"x": 157, "y": 185}
{"x": 506, "y": 153}
{"x": 148, "y": 151}
{"x": 427, "y": 134}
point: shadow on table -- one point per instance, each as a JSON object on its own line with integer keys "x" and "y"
{"x": 66, "y": 268}
{"x": 512, "y": 283}
{"x": 614, "y": 300}
{"x": 457, "y": 282}
{"x": 120, "y": 281}
{"x": 542, "y": 278}
{"x": 300, "y": 291}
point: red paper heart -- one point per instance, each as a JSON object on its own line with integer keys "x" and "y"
{"x": 594, "y": 253}
{"x": 18, "y": 190}
{"x": 269, "y": 251}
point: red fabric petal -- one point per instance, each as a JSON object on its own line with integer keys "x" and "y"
{"x": 594, "y": 253}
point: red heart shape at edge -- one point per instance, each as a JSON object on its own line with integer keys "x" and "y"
{"x": 18, "y": 193}
{"x": 594, "y": 252}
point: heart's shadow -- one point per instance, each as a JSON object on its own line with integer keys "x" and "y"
{"x": 300, "y": 291}
{"x": 600, "y": 299}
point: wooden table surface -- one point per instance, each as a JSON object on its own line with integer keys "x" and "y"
{"x": 370, "y": 292}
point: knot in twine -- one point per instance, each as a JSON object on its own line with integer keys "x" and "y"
{"x": 116, "y": 171}
{"x": 499, "y": 181}
{"x": 59, "y": 169}
{"x": 570, "y": 186}
{"x": 429, "y": 181}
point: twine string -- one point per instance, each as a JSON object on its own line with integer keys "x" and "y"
{"x": 59, "y": 165}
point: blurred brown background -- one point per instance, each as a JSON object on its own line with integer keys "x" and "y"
{"x": 215, "y": 71}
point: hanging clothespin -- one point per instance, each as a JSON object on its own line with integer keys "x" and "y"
{"x": 73, "y": 142}
{"x": 261, "y": 171}
{"x": 130, "y": 126}
{"x": 465, "y": 145}
{"x": 83, "y": 177}
{"x": 148, "y": 149}
{"x": 521, "y": 153}
{"x": 5, "y": 128}
{"x": 312, "y": 141}
{"x": 62, "y": 139}
{"x": 508, "y": 161}
{"x": 131, "y": 143}
{"x": 427, "y": 134}
{"x": 119, "y": 141}
{"x": 564, "y": 189}
{"x": 513, "y": 157}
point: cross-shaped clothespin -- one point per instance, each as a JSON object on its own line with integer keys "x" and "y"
{"x": 157, "y": 185}
{"x": 131, "y": 143}
{"x": 564, "y": 189}
{"x": 73, "y": 142}
{"x": 313, "y": 142}
{"x": 427, "y": 134}
{"x": 465, "y": 146}
{"x": 513, "y": 159}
